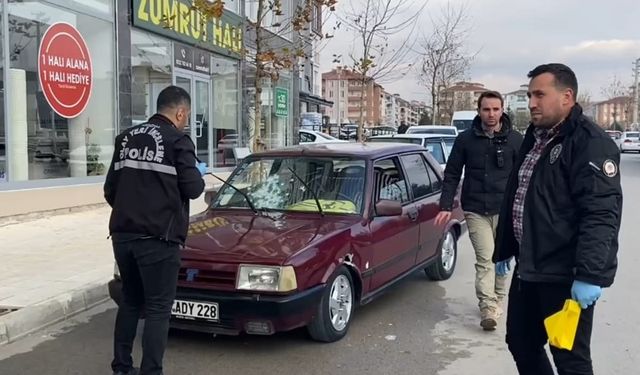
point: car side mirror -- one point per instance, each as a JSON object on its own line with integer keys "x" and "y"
{"x": 386, "y": 207}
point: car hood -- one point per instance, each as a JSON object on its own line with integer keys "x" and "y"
{"x": 241, "y": 237}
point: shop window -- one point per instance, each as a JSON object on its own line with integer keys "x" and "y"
{"x": 151, "y": 73}
{"x": 225, "y": 110}
{"x": 45, "y": 142}
{"x": 276, "y": 118}
{"x": 3, "y": 139}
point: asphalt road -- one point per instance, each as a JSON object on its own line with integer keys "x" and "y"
{"x": 419, "y": 327}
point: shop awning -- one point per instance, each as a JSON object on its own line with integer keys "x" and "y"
{"x": 314, "y": 99}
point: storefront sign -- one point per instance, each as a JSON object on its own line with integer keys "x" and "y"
{"x": 182, "y": 56}
{"x": 186, "y": 57}
{"x": 202, "y": 62}
{"x": 177, "y": 19}
{"x": 65, "y": 70}
{"x": 282, "y": 102}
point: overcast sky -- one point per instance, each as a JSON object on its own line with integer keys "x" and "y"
{"x": 597, "y": 39}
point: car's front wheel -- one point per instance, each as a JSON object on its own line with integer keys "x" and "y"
{"x": 443, "y": 267}
{"x": 333, "y": 317}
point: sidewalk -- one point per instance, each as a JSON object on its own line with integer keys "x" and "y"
{"x": 54, "y": 267}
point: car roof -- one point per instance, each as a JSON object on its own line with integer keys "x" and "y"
{"x": 351, "y": 149}
{"x": 414, "y": 135}
{"x": 433, "y": 126}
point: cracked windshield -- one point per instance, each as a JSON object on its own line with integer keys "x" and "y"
{"x": 302, "y": 184}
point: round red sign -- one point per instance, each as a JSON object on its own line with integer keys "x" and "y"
{"x": 65, "y": 70}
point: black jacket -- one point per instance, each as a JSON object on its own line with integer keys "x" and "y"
{"x": 572, "y": 209}
{"x": 485, "y": 171}
{"x": 151, "y": 179}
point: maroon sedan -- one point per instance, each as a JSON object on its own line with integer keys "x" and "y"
{"x": 301, "y": 236}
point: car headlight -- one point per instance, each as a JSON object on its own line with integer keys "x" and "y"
{"x": 116, "y": 270}
{"x": 266, "y": 278}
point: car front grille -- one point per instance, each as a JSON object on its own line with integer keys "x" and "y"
{"x": 222, "y": 279}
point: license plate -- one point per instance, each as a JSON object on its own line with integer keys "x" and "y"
{"x": 195, "y": 310}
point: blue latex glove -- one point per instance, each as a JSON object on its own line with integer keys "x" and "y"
{"x": 503, "y": 267}
{"x": 584, "y": 293}
{"x": 202, "y": 167}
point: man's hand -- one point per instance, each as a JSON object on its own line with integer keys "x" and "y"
{"x": 584, "y": 293}
{"x": 443, "y": 217}
{"x": 503, "y": 267}
{"x": 202, "y": 167}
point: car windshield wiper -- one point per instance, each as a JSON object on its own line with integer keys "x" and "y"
{"x": 246, "y": 197}
{"x": 315, "y": 196}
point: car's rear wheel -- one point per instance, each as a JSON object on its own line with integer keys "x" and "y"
{"x": 333, "y": 317}
{"x": 443, "y": 267}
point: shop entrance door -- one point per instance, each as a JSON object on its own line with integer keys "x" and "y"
{"x": 199, "y": 87}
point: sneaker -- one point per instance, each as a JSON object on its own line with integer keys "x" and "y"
{"x": 488, "y": 318}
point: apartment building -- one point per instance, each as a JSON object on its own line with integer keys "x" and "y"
{"x": 345, "y": 88}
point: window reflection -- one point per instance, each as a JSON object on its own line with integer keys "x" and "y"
{"x": 45, "y": 145}
{"x": 225, "y": 110}
{"x": 151, "y": 73}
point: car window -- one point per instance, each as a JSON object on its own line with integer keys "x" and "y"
{"x": 389, "y": 181}
{"x": 418, "y": 175}
{"x": 436, "y": 183}
{"x": 325, "y": 136}
{"x": 415, "y": 141}
{"x": 435, "y": 148}
{"x": 462, "y": 125}
{"x": 632, "y": 135}
{"x": 294, "y": 184}
{"x": 306, "y": 137}
{"x": 448, "y": 146}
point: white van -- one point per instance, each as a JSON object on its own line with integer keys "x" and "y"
{"x": 463, "y": 120}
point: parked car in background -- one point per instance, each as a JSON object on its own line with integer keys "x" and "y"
{"x": 350, "y": 132}
{"x": 381, "y": 130}
{"x": 615, "y": 135}
{"x": 228, "y": 142}
{"x": 312, "y": 136}
{"x": 432, "y": 129}
{"x": 463, "y": 120}
{"x": 439, "y": 145}
{"x": 302, "y": 236}
{"x": 630, "y": 141}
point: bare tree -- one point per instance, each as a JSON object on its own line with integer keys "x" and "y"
{"x": 267, "y": 54}
{"x": 615, "y": 88}
{"x": 584, "y": 98}
{"x": 378, "y": 54}
{"x": 444, "y": 58}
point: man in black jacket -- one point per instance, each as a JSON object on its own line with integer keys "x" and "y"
{"x": 153, "y": 175}
{"x": 487, "y": 153}
{"x": 402, "y": 129}
{"x": 560, "y": 220}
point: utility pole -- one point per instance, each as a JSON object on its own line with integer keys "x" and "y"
{"x": 636, "y": 71}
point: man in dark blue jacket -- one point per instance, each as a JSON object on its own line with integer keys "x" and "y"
{"x": 560, "y": 220}
{"x": 153, "y": 175}
{"x": 487, "y": 153}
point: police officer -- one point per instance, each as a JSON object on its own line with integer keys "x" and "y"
{"x": 153, "y": 175}
{"x": 487, "y": 153}
{"x": 560, "y": 221}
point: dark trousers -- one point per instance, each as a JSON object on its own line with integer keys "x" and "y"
{"x": 149, "y": 272}
{"x": 529, "y": 304}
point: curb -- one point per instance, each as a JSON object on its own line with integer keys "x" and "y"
{"x": 29, "y": 319}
